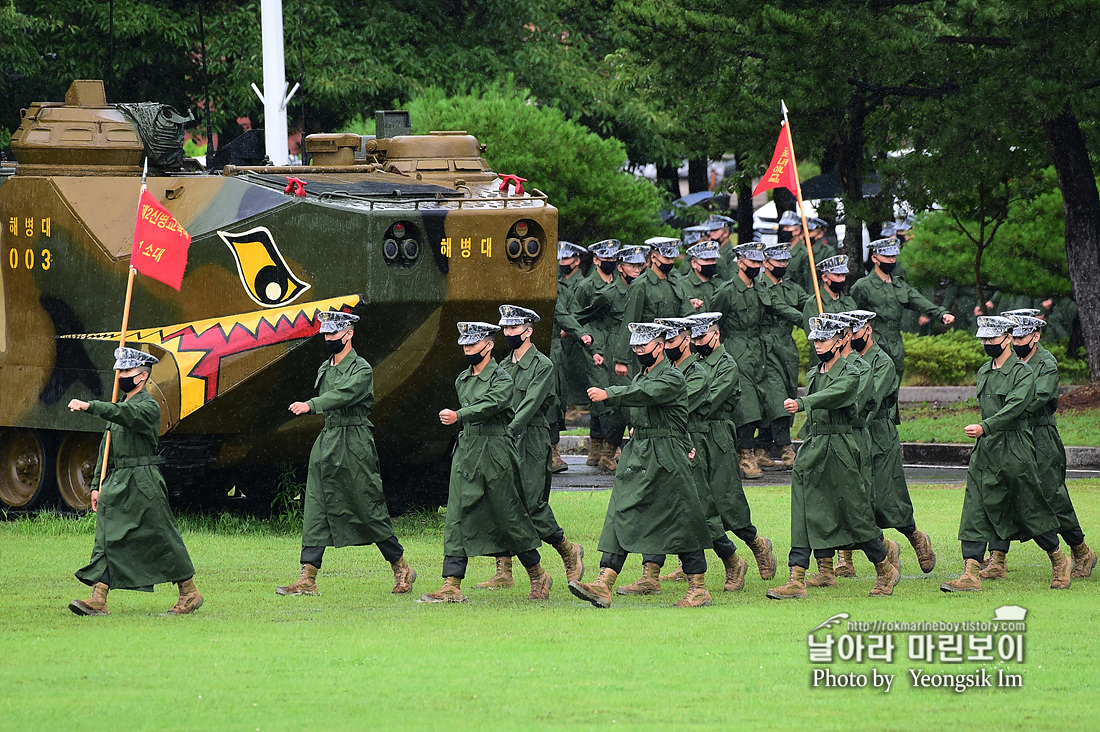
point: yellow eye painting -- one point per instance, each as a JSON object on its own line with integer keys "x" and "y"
{"x": 262, "y": 269}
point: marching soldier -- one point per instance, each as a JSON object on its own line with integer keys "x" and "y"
{"x": 830, "y": 508}
{"x": 781, "y": 354}
{"x": 137, "y": 542}
{"x": 486, "y": 515}
{"x": 699, "y": 284}
{"x": 833, "y": 274}
{"x": 721, "y": 228}
{"x": 344, "y": 504}
{"x": 888, "y": 295}
{"x": 653, "y": 295}
{"x": 566, "y": 350}
{"x": 1049, "y": 451}
{"x": 533, "y": 400}
{"x": 654, "y": 507}
{"x": 799, "y": 270}
{"x": 1004, "y": 499}
{"x": 743, "y": 306}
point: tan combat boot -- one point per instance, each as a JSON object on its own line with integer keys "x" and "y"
{"x": 676, "y": 575}
{"x": 572, "y": 556}
{"x": 648, "y": 584}
{"x": 886, "y": 574}
{"x": 761, "y": 548}
{"x": 403, "y": 576}
{"x": 597, "y": 592}
{"x": 968, "y": 581}
{"x": 94, "y": 605}
{"x": 922, "y": 545}
{"x": 451, "y": 591}
{"x": 825, "y": 576}
{"x": 795, "y": 589}
{"x": 749, "y": 469}
{"x": 995, "y": 568}
{"x": 306, "y": 584}
{"x": 764, "y": 462}
{"x": 541, "y": 582}
{"x": 698, "y": 595}
{"x": 844, "y": 567}
{"x": 1084, "y": 559}
{"x": 788, "y": 457}
{"x": 503, "y": 577}
{"x": 893, "y": 554}
{"x": 595, "y": 452}
{"x": 735, "y": 573}
{"x": 190, "y": 599}
{"x": 1061, "y": 570}
{"x": 558, "y": 465}
{"x": 609, "y": 462}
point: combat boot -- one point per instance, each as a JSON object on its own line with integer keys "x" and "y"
{"x": 735, "y": 573}
{"x": 558, "y": 465}
{"x": 698, "y": 595}
{"x": 825, "y": 576}
{"x": 648, "y": 584}
{"x": 886, "y": 574}
{"x": 761, "y": 548}
{"x": 403, "y": 576}
{"x": 922, "y": 545}
{"x": 451, "y": 591}
{"x": 764, "y": 461}
{"x": 597, "y": 592}
{"x": 1084, "y": 559}
{"x": 94, "y": 605}
{"x": 747, "y": 464}
{"x": 306, "y": 584}
{"x": 503, "y": 577}
{"x": 795, "y": 589}
{"x": 676, "y": 575}
{"x": 541, "y": 582}
{"x": 995, "y": 568}
{"x": 609, "y": 462}
{"x": 1061, "y": 570}
{"x": 893, "y": 554}
{"x": 788, "y": 457}
{"x": 595, "y": 452}
{"x": 190, "y": 599}
{"x": 968, "y": 581}
{"x": 845, "y": 567}
{"x": 572, "y": 556}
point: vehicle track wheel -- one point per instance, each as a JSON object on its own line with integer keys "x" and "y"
{"x": 76, "y": 469}
{"x": 26, "y": 482}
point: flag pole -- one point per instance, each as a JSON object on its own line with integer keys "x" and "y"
{"x": 802, "y": 211}
{"x": 122, "y": 335}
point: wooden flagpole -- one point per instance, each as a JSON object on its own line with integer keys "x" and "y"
{"x": 802, "y": 212}
{"x": 122, "y": 336}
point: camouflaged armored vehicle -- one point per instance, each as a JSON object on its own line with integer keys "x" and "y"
{"x": 412, "y": 233}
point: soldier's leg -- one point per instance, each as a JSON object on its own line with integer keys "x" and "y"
{"x": 970, "y": 581}
{"x": 403, "y": 574}
{"x": 995, "y": 566}
{"x": 1060, "y": 565}
{"x": 454, "y": 571}
{"x": 97, "y": 603}
{"x": 825, "y": 576}
{"x": 922, "y": 546}
{"x": 885, "y": 556}
{"x": 798, "y": 561}
{"x": 571, "y": 553}
{"x": 1084, "y": 559}
{"x": 735, "y": 565}
{"x": 695, "y": 567}
{"x": 650, "y": 581}
{"x": 745, "y": 440}
{"x": 556, "y": 428}
{"x": 307, "y": 580}
{"x": 540, "y": 578}
{"x": 599, "y": 591}
{"x": 313, "y": 555}
{"x": 612, "y": 426}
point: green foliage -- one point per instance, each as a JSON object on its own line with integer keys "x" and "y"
{"x": 1071, "y": 370}
{"x": 287, "y": 502}
{"x": 942, "y": 360}
{"x": 193, "y": 150}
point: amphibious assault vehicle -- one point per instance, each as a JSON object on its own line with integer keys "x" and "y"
{"x": 411, "y": 232}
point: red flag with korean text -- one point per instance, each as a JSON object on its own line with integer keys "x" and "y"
{"x": 781, "y": 173}
{"x": 160, "y": 243}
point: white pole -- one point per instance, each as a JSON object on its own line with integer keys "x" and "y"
{"x": 275, "y": 129}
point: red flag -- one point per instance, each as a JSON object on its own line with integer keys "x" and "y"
{"x": 160, "y": 243}
{"x": 781, "y": 173}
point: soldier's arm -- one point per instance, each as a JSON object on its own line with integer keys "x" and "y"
{"x": 632, "y": 313}
{"x": 496, "y": 399}
{"x": 778, "y": 307}
{"x": 132, "y": 414}
{"x": 538, "y": 391}
{"x": 922, "y": 304}
{"x": 1016, "y": 401}
{"x": 356, "y": 387}
{"x": 699, "y": 391}
{"x": 861, "y": 293}
{"x": 804, "y": 298}
{"x": 726, "y": 383}
{"x": 884, "y": 378}
{"x": 643, "y": 392}
{"x": 96, "y": 485}
{"x": 564, "y": 316}
{"x": 1046, "y": 384}
{"x": 842, "y": 391}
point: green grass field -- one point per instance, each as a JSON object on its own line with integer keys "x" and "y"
{"x": 359, "y": 658}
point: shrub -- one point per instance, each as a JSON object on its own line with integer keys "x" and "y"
{"x": 949, "y": 359}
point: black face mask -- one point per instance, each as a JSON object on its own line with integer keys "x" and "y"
{"x": 334, "y": 346}
{"x": 647, "y": 359}
{"x": 127, "y": 383}
{"x": 994, "y": 350}
{"x": 674, "y": 354}
{"x": 830, "y": 354}
{"x": 565, "y": 270}
{"x": 608, "y": 267}
{"x": 752, "y": 272}
{"x": 887, "y": 267}
{"x": 785, "y": 236}
{"x": 628, "y": 278}
{"x": 666, "y": 267}
{"x": 859, "y": 343}
{"x": 778, "y": 272}
{"x": 704, "y": 350}
{"x": 514, "y": 341}
{"x": 838, "y": 287}
{"x": 708, "y": 270}
{"x": 1023, "y": 351}
{"x": 473, "y": 359}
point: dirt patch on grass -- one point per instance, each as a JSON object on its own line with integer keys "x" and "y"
{"x": 1081, "y": 398}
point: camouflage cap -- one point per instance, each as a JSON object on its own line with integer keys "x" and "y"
{"x": 642, "y": 333}
{"x": 674, "y": 326}
{"x": 634, "y": 254}
{"x": 702, "y": 322}
{"x": 515, "y": 315}
{"x": 889, "y": 229}
{"x": 904, "y": 225}
{"x": 704, "y": 250}
{"x": 606, "y": 248}
{"x": 470, "y": 332}
{"x": 813, "y": 223}
{"x": 720, "y": 222}
{"x": 1026, "y": 325}
{"x": 334, "y": 321}
{"x": 888, "y": 247}
{"x": 666, "y": 246}
{"x": 991, "y": 326}
{"x": 690, "y": 237}
{"x": 837, "y": 265}
{"x": 1029, "y": 312}
{"x": 750, "y": 250}
{"x": 824, "y": 327}
{"x": 778, "y": 252}
{"x": 859, "y": 318}
{"x": 567, "y": 249}
{"x": 130, "y": 358}
{"x": 790, "y": 218}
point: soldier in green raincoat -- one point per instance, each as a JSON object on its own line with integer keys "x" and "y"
{"x": 1049, "y": 451}
{"x": 888, "y": 295}
{"x": 799, "y": 270}
{"x": 720, "y": 229}
{"x": 653, "y": 295}
{"x": 654, "y": 507}
{"x": 486, "y": 513}
{"x": 830, "y": 505}
{"x": 533, "y": 401}
{"x": 137, "y": 542}
{"x": 567, "y": 352}
{"x": 833, "y": 278}
{"x": 343, "y": 503}
{"x": 743, "y": 306}
{"x": 1004, "y": 500}
{"x": 699, "y": 284}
